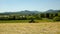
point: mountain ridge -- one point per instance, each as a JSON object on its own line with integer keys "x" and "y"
{"x": 25, "y": 12}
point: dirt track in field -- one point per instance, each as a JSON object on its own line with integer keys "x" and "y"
{"x": 30, "y": 28}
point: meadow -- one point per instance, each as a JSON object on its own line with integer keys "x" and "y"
{"x": 26, "y": 21}
{"x": 30, "y": 28}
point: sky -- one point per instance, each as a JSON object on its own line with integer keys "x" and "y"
{"x": 32, "y": 5}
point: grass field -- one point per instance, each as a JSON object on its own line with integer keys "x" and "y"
{"x": 30, "y": 28}
{"x": 14, "y": 21}
{"x": 25, "y": 21}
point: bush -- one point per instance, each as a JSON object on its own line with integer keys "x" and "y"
{"x": 32, "y": 20}
{"x": 56, "y": 18}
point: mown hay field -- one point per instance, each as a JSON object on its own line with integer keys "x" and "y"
{"x": 30, "y": 28}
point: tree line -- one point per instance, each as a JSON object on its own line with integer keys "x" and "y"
{"x": 53, "y": 16}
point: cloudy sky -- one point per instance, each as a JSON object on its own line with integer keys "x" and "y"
{"x": 18, "y": 5}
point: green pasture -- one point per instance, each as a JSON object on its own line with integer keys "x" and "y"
{"x": 25, "y": 21}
